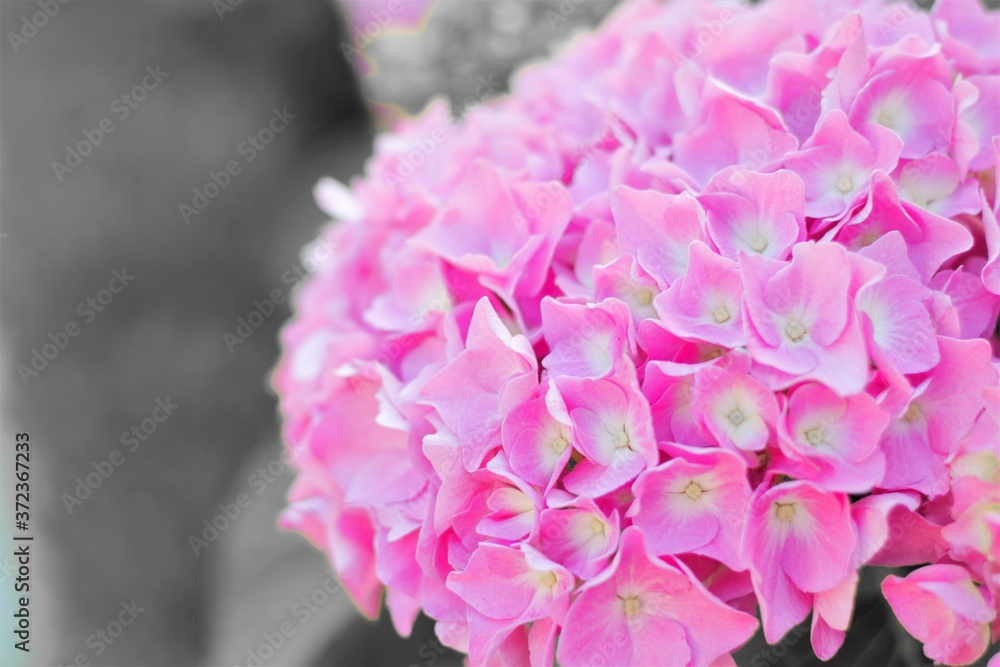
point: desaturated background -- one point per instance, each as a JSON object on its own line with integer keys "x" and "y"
{"x": 101, "y": 248}
{"x": 222, "y": 68}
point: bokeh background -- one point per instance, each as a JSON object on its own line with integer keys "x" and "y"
{"x": 131, "y": 538}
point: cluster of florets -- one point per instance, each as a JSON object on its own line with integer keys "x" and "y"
{"x": 700, "y": 319}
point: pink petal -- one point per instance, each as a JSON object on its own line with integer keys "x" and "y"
{"x": 641, "y": 609}
{"x": 755, "y": 213}
{"x": 787, "y": 524}
{"x": 705, "y": 304}
{"x": 504, "y": 584}
{"x": 641, "y": 220}
{"x": 467, "y": 392}
{"x": 579, "y": 536}
{"x": 697, "y": 506}
{"x": 942, "y": 607}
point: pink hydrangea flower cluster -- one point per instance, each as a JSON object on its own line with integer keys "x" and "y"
{"x": 700, "y": 319}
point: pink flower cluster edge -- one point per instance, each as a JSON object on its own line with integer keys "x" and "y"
{"x": 700, "y": 319}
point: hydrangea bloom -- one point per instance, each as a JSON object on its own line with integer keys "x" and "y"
{"x": 701, "y": 319}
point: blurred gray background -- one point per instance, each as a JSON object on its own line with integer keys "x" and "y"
{"x": 223, "y": 67}
{"x": 125, "y": 548}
